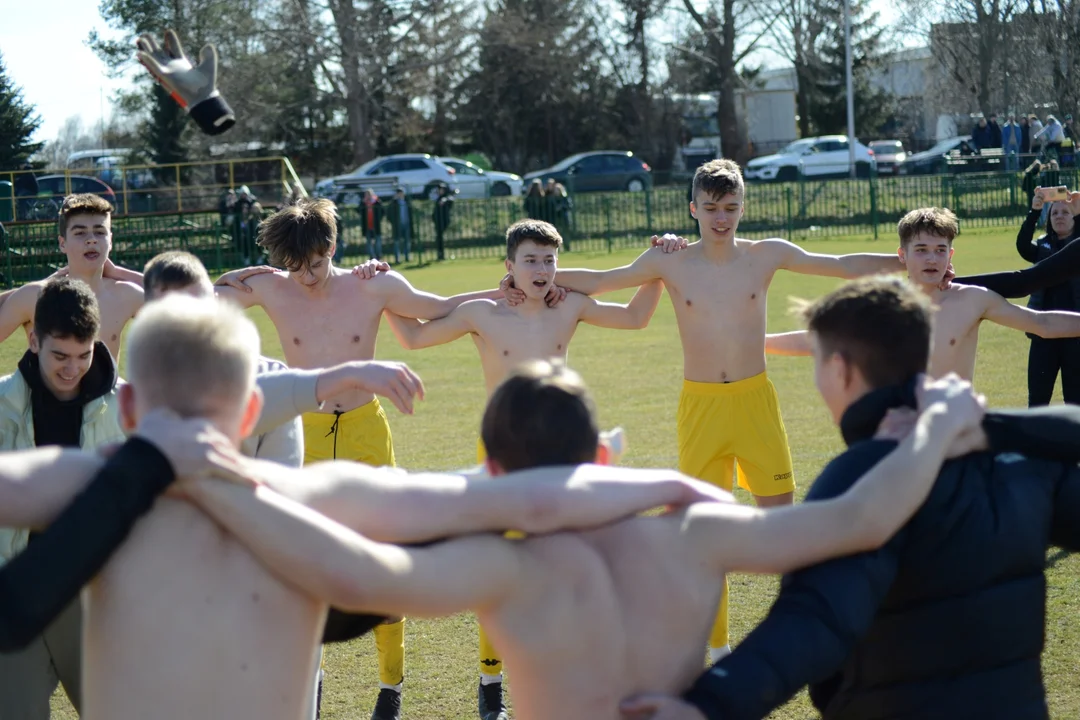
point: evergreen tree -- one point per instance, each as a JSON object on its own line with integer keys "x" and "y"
{"x": 18, "y": 122}
{"x": 828, "y": 99}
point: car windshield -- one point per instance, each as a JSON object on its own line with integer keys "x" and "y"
{"x": 946, "y": 145}
{"x": 887, "y": 146}
{"x": 567, "y": 162}
{"x": 796, "y": 148}
{"x": 362, "y": 170}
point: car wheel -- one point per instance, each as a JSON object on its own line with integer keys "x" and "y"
{"x": 635, "y": 185}
{"x": 500, "y": 189}
{"x": 431, "y": 191}
{"x": 787, "y": 174}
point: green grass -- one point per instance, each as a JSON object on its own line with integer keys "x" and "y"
{"x": 635, "y": 377}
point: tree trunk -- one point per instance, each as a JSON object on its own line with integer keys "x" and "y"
{"x": 727, "y": 114}
{"x": 356, "y": 106}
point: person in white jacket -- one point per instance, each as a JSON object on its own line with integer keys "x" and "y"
{"x": 63, "y": 393}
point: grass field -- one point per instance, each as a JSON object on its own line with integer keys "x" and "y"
{"x": 635, "y": 377}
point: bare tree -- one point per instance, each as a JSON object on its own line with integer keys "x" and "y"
{"x": 732, "y": 30}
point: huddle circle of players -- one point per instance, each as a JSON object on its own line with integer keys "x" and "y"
{"x": 729, "y": 424}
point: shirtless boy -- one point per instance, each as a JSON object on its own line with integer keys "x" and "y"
{"x": 85, "y": 227}
{"x": 198, "y": 358}
{"x": 324, "y": 317}
{"x": 585, "y": 617}
{"x": 507, "y": 336}
{"x": 926, "y": 249}
{"x": 729, "y": 415}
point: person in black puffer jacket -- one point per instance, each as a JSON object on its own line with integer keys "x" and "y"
{"x": 947, "y": 620}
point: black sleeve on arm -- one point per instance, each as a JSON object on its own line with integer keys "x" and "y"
{"x": 1054, "y": 270}
{"x": 38, "y": 583}
{"x": 818, "y": 617}
{"x": 1050, "y": 433}
{"x": 1065, "y": 530}
{"x": 1023, "y": 238}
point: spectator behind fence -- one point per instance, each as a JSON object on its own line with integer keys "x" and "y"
{"x": 995, "y": 131}
{"x": 1069, "y": 129}
{"x": 371, "y": 217}
{"x": 1011, "y": 137}
{"x": 401, "y": 224}
{"x": 534, "y": 200}
{"x": 1025, "y": 135}
{"x": 1052, "y": 135}
{"x": 981, "y": 135}
{"x": 560, "y": 206}
{"x": 1048, "y": 357}
{"x": 444, "y": 204}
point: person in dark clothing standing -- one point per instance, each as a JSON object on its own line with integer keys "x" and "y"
{"x": 982, "y": 135}
{"x": 63, "y": 393}
{"x": 1048, "y": 357}
{"x": 401, "y": 224}
{"x": 1025, "y": 135}
{"x": 371, "y": 217}
{"x": 995, "y": 131}
{"x": 534, "y": 201}
{"x": 946, "y": 621}
{"x": 444, "y": 203}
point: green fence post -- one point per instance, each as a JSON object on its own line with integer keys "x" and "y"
{"x": 1012, "y": 189}
{"x": 7, "y": 255}
{"x": 802, "y": 194}
{"x": 648, "y": 210}
{"x": 788, "y": 196}
{"x": 607, "y": 216}
{"x": 873, "y": 203}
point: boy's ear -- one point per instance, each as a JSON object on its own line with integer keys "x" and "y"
{"x": 693, "y": 210}
{"x": 603, "y": 453}
{"x": 901, "y": 254}
{"x": 125, "y": 396}
{"x": 251, "y": 412}
{"x": 509, "y": 266}
{"x": 35, "y": 344}
{"x": 493, "y": 467}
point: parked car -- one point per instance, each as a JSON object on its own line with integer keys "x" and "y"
{"x": 420, "y": 174}
{"x": 929, "y": 162}
{"x": 474, "y": 182}
{"x": 818, "y": 157}
{"x": 594, "y": 171}
{"x": 890, "y": 155}
{"x": 51, "y": 192}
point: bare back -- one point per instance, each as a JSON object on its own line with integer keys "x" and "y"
{"x": 321, "y": 329}
{"x": 507, "y": 336}
{"x": 721, "y": 310}
{"x": 605, "y": 614}
{"x": 183, "y": 623}
{"x": 956, "y": 331}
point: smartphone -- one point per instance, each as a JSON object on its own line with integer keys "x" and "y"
{"x": 1055, "y": 194}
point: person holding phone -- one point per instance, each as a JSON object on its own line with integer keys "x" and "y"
{"x": 1048, "y": 357}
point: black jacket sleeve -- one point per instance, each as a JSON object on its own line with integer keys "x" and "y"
{"x": 1054, "y": 270}
{"x": 1049, "y": 433}
{"x": 1024, "y": 246}
{"x": 1065, "y": 528}
{"x": 817, "y": 619}
{"x": 38, "y": 583}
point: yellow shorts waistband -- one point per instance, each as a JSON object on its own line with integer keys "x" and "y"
{"x": 328, "y": 419}
{"x": 755, "y": 382}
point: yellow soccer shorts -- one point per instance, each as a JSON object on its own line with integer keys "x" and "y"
{"x": 360, "y": 435}
{"x": 729, "y": 427}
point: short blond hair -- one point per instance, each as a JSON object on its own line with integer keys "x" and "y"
{"x": 192, "y": 355}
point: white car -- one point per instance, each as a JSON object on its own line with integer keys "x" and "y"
{"x": 814, "y": 157}
{"x": 473, "y": 182}
{"x": 418, "y": 173}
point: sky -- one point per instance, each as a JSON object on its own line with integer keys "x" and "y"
{"x": 46, "y": 54}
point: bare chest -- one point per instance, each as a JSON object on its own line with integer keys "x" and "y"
{"x": 508, "y": 339}
{"x": 324, "y": 331}
{"x": 708, "y": 295}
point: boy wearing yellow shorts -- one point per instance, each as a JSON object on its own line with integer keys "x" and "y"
{"x": 324, "y": 316}
{"x": 508, "y": 335}
{"x": 729, "y": 419}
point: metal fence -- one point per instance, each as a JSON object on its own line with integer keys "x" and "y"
{"x": 590, "y": 222}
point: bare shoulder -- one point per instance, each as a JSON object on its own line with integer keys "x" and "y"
{"x": 773, "y": 249}
{"x": 971, "y": 295}
{"x": 128, "y": 292}
{"x": 25, "y": 298}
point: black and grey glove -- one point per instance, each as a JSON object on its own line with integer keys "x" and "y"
{"x": 194, "y": 87}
